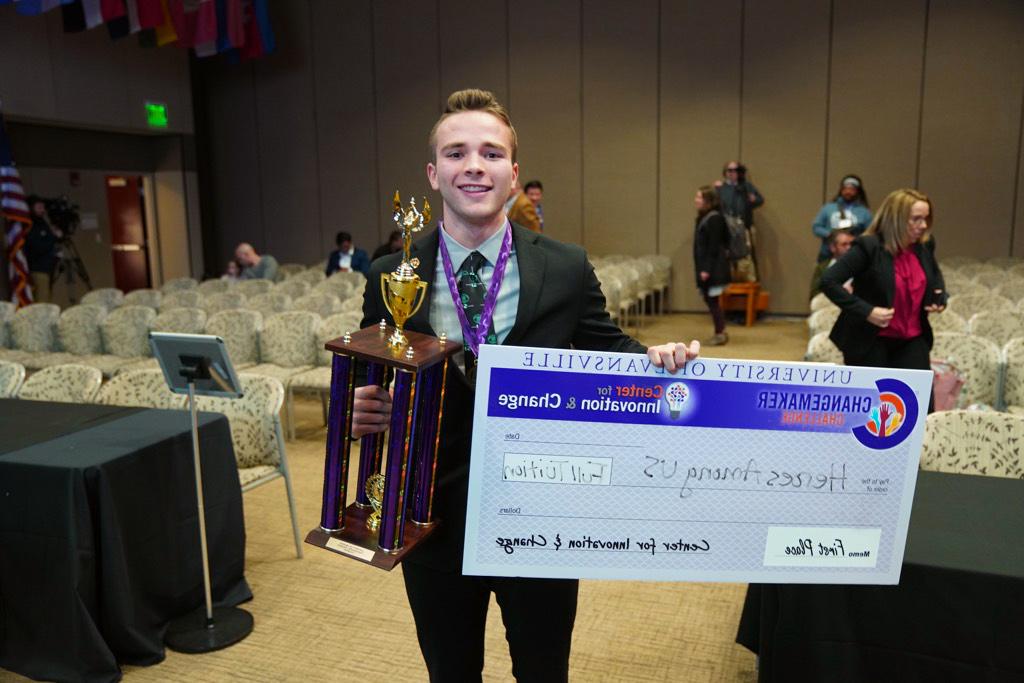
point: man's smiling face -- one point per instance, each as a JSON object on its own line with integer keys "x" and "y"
{"x": 473, "y": 168}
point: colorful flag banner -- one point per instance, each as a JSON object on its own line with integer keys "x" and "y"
{"x": 19, "y": 222}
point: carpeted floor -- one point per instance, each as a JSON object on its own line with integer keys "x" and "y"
{"x": 324, "y": 618}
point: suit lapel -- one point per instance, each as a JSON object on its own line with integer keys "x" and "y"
{"x": 532, "y": 263}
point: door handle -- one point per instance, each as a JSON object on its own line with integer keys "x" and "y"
{"x": 126, "y": 247}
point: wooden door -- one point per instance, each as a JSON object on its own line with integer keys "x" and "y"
{"x": 128, "y": 232}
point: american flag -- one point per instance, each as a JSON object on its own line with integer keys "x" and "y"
{"x": 19, "y": 222}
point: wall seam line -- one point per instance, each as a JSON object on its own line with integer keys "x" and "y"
{"x": 583, "y": 148}
{"x": 1016, "y": 175}
{"x": 920, "y": 99}
{"x": 259, "y": 156}
{"x": 376, "y": 119}
{"x": 657, "y": 139}
{"x": 742, "y": 60}
{"x": 316, "y": 131}
{"x": 828, "y": 96}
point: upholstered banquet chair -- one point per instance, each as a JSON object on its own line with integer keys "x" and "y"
{"x": 337, "y": 286}
{"x": 318, "y": 380}
{"x": 286, "y": 271}
{"x": 999, "y": 326}
{"x": 108, "y": 297}
{"x": 947, "y": 321}
{"x": 318, "y": 302}
{"x": 180, "y": 320}
{"x": 141, "y": 389}
{"x": 240, "y": 331}
{"x": 976, "y": 359}
{"x": 967, "y": 305}
{"x": 182, "y": 298}
{"x": 287, "y": 347}
{"x": 270, "y": 303}
{"x": 225, "y": 301}
{"x": 34, "y": 333}
{"x": 143, "y": 297}
{"x": 974, "y": 442}
{"x": 11, "y": 377}
{"x": 208, "y": 287}
{"x": 70, "y": 383}
{"x": 293, "y": 288}
{"x": 256, "y": 436}
{"x": 1013, "y": 376}
{"x": 179, "y": 284}
{"x": 249, "y": 288}
{"x": 820, "y": 349}
{"x": 823, "y": 320}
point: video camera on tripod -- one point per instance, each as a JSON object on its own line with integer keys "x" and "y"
{"x": 63, "y": 214}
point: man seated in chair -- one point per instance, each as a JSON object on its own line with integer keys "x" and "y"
{"x": 347, "y": 257}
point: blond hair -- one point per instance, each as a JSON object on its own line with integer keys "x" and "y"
{"x": 891, "y": 223}
{"x": 473, "y": 99}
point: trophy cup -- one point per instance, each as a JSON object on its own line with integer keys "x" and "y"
{"x": 392, "y": 509}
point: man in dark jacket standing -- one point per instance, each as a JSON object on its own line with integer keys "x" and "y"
{"x": 42, "y": 247}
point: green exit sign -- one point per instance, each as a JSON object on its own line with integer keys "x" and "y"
{"x": 156, "y": 114}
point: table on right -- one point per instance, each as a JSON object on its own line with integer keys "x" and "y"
{"x": 956, "y": 615}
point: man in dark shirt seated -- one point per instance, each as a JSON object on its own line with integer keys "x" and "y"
{"x": 347, "y": 257}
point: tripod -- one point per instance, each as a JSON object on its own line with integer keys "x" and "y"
{"x": 69, "y": 265}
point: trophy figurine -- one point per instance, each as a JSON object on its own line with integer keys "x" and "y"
{"x": 394, "y": 486}
{"x": 402, "y": 289}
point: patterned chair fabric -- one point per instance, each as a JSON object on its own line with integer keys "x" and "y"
{"x": 143, "y": 297}
{"x": 183, "y": 320}
{"x": 978, "y": 361}
{"x": 11, "y": 377}
{"x": 947, "y": 321}
{"x": 990, "y": 278}
{"x": 286, "y": 271}
{"x": 256, "y": 436}
{"x": 308, "y": 275}
{"x": 1005, "y": 262}
{"x": 823, "y": 320}
{"x": 70, "y": 383}
{"x": 1000, "y": 327}
{"x": 208, "y": 287}
{"x": 1012, "y": 288}
{"x": 225, "y": 301}
{"x": 956, "y": 262}
{"x": 34, "y": 328}
{"x": 820, "y": 349}
{"x": 270, "y": 303}
{"x": 354, "y": 304}
{"x": 293, "y": 288}
{"x": 980, "y": 442}
{"x": 126, "y": 331}
{"x": 339, "y": 287}
{"x": 249, "y": 288}
{"x": 240, "y": 331}
{"x": 142, "y": 389}
{"x": 967, "y": 287}
{"x": 179, "y": 284}
{"x": 78, "y": 329}
{"x": 322, "y": 304}
{"x": 973, "y": 270}
{"x": 355, "y": 278}
{"x": 1013, "y": 381}
{"x": 183, "y": 298}
{"x": 108, "y": 297}
{"x": 820, "y": 301}
{"x": 967, "y": 305}
{"x": 289, "y": 339}
{"x": 7, "y": 310}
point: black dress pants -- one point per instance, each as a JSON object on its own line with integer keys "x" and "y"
{"x": 450, "y": 611}
{"x": 885, "y": 352}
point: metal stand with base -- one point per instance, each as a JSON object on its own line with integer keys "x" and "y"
{"x": 209, "y": 629}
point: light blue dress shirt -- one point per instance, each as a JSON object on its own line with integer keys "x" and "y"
{"x": 443, "y": 317}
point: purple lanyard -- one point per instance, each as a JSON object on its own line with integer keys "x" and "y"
{"x": 473, "y": 338}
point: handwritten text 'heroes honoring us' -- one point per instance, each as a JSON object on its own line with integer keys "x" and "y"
{"x": 600, "y": 465}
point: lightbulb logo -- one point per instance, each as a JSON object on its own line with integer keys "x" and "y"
{"x": 892, "y": 420}
{"x": 676, "y": 396}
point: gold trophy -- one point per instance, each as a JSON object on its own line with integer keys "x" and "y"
{"x": 402, "y": 289}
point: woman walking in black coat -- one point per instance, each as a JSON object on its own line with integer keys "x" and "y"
{"x": 896, "y": 283}
{"x": 711, "y": 258}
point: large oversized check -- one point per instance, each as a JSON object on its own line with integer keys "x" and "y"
{"x": 599, "y": 465}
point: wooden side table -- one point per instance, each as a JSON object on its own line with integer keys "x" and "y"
{"x": 751, "y": 290}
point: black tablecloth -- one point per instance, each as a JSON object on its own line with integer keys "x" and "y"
{"x": 956, "y": 615}
{"x": 99, "y": 540}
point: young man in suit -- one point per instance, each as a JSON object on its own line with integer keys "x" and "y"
{"x": 549, "y": 297}
{"x": 347, "y": 256}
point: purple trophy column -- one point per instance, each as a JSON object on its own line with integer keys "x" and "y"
{"x": 425, "y": 453}
{"x": 392, "y": 523}
{"x": 339, "y": 426}
{"x": 371, "y": 449}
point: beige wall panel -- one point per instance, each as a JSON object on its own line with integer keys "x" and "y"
{"x": 1018, "y": 224}
{"x": 544, "y": 87}
{"x": 350, "y": 198}
{"x": 88, "y": 77}
{"x": 287, "y": 141}
{"x": 172, "y": 224}
{"x": 971, "y": 123}
{"x": 234, "y": 159}
{"x": 874, "y": 99}
{"x": 785, "y": 72}
{"x": 474, "y": 46}
{"x": 700, "y": 119}
{"x": 408, "y": 98}
{"x": 620, "y": 118}
{"x": 26, "y": 71}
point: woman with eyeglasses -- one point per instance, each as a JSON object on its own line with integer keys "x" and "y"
{"x": 896, "y": 284}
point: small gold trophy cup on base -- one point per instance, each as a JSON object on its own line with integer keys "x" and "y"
{"x": 402, "y": 289}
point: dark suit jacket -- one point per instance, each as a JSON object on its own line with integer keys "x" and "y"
{"x": 360, "y": 261}
{"x": 874, "y": 282}
{"x": 710, "y": 247}
{"x": 560, "y": 306}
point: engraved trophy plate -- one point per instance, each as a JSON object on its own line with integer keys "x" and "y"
{"x": 393, "y": 506}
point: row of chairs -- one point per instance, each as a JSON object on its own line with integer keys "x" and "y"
{"x": 287, "y": 346}
{"x": 993, "y": 375}
{"x": 255, "y": 421}
{"x": 634, "y": 286}
{"x": 974, "y": 442}
{"x": 218, "y": 295}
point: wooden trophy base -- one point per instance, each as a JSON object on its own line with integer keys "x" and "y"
{"x": 359, "y": 543}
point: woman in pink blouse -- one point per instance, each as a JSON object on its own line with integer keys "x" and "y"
{"x": 896, "y": 283}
